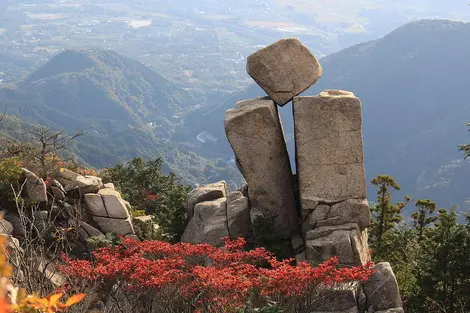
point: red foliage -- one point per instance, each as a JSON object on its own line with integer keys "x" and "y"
{"x": 211, "y": 278}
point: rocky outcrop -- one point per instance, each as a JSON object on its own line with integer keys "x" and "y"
{"x": 322, "y": 211}
{"x": 34, "y": 187}
{"x": 205, "y": 193}
{"x": 208, "y": 224}
{"x": 109, "y": 211}
{"x": 256, "y": 136}
{"x": 284, "y": 69}
{"x": 215, "y": 219}
{"x": 71, "y": 180}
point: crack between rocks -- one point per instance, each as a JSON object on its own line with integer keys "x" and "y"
{"x": 104, "y": 206}
{"x": 226, "y": 219}
{"x": 113, "y": 218}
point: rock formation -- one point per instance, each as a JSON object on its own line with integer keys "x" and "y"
{"x": 255, "y": 132}
{"x": 321, "y": 211}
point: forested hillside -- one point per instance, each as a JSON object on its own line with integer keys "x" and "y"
{"x": 124, "y": 108}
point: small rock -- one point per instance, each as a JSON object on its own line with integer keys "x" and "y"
{"x": 109, "y": 186}
{"x": 58, "y": 193}
{"x": 87, "y": 184}
{"x": 205, "y": 193}
{"x": 382, "y": 289}
{"x": 5, "y": 227}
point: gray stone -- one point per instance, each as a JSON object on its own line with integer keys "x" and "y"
{"x": 348, "y": 211}
{"x": 298, "y": 246}
{"x": 208, "y": 224}
{"x": 115, "y": 206}
{"x": 90, "y": 230}
{"x": 87, "y": 184}
{"x": 329, "y": 147}
{"x": 353, "y": 210}
{"x": 109, "y": 186}
{"x": 394, "y": 310}
{"x": 284, "y": 69}
{"x": 95, "y": 204}
{"x": 238, "y": 214}
{"x": 115, "y": 226}
{"x": 345, "y": 242}
{"x": 35, "y": 187}
{"x": 339, "y": 300}
{"x": 244, "y": 190}
{"x": 58, "y": 193}
{"x": 205, "y": 193}
{"x": 41, "y": 220}
{"x": 256, "y": 136}
{"x": 382, "y": 289}
{"x": 6, "y": 227}
{"x": 56, "y": 184}
{"x": 354, "y": 309}
{"x": 15, "y": 220}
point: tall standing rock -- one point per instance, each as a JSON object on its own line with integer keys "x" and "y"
{"x": 330, "y": 169}
{"x": 255, "y": 133}
{"x": 284, "y": 69}
{"x": 329, "y": 150}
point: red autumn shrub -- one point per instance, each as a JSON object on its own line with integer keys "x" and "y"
{"x": 210, "y": 279}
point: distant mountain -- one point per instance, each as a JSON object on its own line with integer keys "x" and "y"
{"x": 125, "y": 108}
{"x": 413, "y": 85}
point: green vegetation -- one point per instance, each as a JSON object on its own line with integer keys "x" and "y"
{"x": 430, "y": 257}
{"x": 145, "y": 186}
{"x": 125, "y": 109}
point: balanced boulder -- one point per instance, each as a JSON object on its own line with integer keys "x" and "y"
{"x": 284, "y": 69}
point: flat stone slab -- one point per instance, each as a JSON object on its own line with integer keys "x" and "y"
{"x": 284, "y": 69}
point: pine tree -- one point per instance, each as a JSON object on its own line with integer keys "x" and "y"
{"x": 385, "y": 214}
{"x": 423, "y": 217}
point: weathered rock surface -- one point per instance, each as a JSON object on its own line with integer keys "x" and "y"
{"x": 5, "y": 227}
{"x": 339, "y": 301}
{"x": 14, "y": 219}
{"x": 87, "y": 184}
{"x": 344, "y": 241}
{"x": 328, "y": 139}
{"x": 284, "y": 69}
{"x": 382, "y": 289}
{"x": 256, "y": 136}
{"x": 41, "y": 220}
{"x": 58, "y": 193}
{"x": 205, "y": 193}
{"x": 109, "y": 211}
{"x": 114, "y": 225}
{"x": 394, "y": 310}
{"x": 35, "y": 187}
{"x": 238, "y": 215}
{"x": 208, "y": 224}
{"x": 348, "y": 211}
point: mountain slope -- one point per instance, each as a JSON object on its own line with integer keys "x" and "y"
{"x": 125, "y": 108}
{"x": 412, "y": 85}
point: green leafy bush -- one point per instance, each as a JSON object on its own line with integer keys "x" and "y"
{"x": 10, "y": 175}
{"x": 143, "y": 184}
